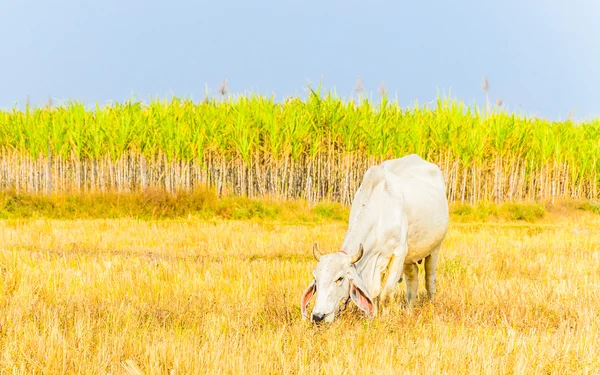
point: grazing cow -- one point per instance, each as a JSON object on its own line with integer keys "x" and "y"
{"x": 399, "y": 216}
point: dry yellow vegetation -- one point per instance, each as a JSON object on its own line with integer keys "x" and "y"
{"x": 127, "y": 296}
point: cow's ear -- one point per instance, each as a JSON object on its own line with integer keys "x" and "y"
{"x": 308, "y": 293}
{"x": 362, "y": 300}
{"x": 360, "y": 296}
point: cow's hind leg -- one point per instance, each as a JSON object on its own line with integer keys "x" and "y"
{"x": 430, "y": 272}
{"x": 411, "y": 273}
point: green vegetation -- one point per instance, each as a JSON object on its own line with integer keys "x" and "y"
{"x": 205, "y": 204}
{"x": 591, "y": 206}
{"x": 156, "y": 204}
{"x": 314, "y": 149}
{"x": 507, "y": 211}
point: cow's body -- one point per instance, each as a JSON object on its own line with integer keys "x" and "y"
{"x": 399, "y": 216}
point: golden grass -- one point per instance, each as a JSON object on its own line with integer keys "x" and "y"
{"x": 125, "y": 296}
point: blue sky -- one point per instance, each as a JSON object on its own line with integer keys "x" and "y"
{"x": 541, "y": 57}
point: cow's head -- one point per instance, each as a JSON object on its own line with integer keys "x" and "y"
{"x": 335, "y": 281}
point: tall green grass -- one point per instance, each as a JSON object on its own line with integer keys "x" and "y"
{"x": 316, "y": 148}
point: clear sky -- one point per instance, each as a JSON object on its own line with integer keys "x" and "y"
{"x": 540, "y": 56}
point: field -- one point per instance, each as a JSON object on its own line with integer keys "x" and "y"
{"x": 174, "y": 237}
{"x": 186, "y": 296}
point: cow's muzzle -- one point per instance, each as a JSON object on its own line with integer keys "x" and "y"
{"x": 318, "y": 317}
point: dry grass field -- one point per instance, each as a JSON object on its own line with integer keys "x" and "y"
{"x": 127, "y": 296}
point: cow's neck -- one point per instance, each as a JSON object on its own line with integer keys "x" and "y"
{"x": 358, "y": 231}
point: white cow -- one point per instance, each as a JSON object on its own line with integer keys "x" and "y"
{"x": 399, "y": 217}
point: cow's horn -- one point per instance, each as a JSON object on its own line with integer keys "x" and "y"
{"x": 316, "y": 252}
{"x": 358, "y": 255}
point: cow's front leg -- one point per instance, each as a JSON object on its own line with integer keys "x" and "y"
{"x": 395, "y": 268}
{"x": 411, "y": 273}
{"x": 394, "y": 275}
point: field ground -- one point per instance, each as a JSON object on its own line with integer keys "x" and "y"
{"x": 185, "y": 296}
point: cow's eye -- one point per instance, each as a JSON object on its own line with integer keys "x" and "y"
{"x": 339, "y": 280}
